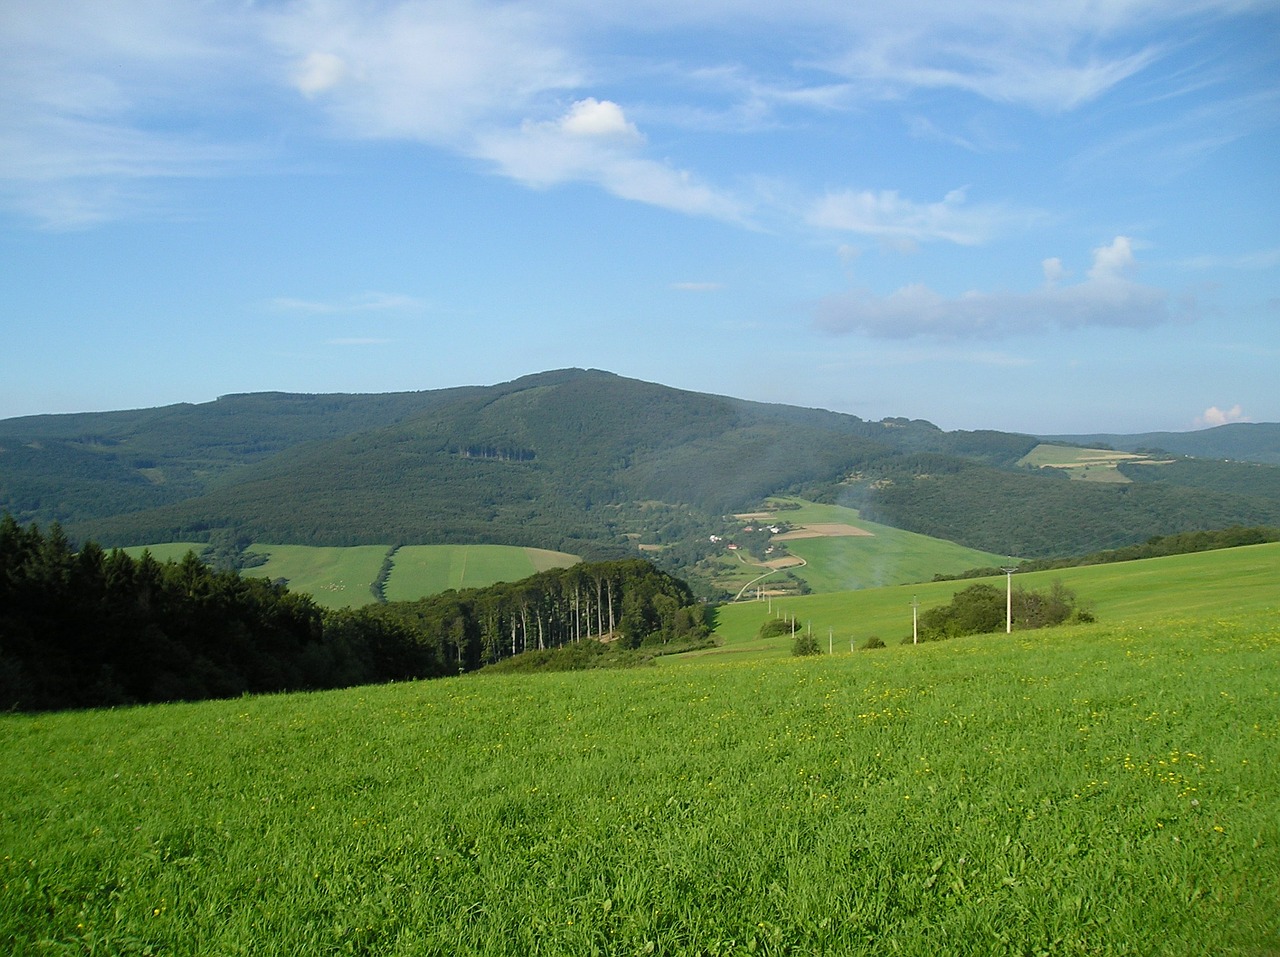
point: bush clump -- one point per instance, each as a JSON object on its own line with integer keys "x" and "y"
{"x": 805, "y": 644}
{"x": 980, "y": 609}
{"x": 775, "y": 627}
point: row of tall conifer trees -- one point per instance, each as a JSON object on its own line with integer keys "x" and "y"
{"x": 83, "y": 627}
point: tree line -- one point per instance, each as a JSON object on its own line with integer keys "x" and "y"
{"x": 84, "y": 627}
{"x": 1158, "y": 546}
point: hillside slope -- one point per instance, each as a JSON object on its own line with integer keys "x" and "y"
{"x": 581, "y": 461}
{"x": 1238, "y": 441}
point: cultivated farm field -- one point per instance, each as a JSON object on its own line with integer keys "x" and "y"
{"x": 864, "y": 555}
{"x": 1090, "y": 465}
{"x": 1102, "y": 789}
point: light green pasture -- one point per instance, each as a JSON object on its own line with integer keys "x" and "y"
{"x": 429, "y": 569}
{"x": 1212, "y": 584}
{"x": 1095, "y": 791}
{"x": 334, "y": 577}
{"x": 166, "y": 551}
{"x": 1090, "y": 465}
{"x": 339, "y": 577}
{"x": 887, "y": 556}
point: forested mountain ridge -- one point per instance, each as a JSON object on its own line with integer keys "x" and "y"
{"x": 577, "y": 460}
{"x": 1237, "y": 441}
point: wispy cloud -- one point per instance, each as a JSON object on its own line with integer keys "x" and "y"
{"x": 101, "y": 100}
{"x": 595, "y": 142}
{"x": 1257, "y": 259}
{"x": 433, "y": 72}
{"x": 992, "y": 62}
{"x": 1168, "y": 146}
{"x": 1106, "y": 297}
{"x": 96, "y": 105}
{"x": 363, "y": 302}
{"x": 888, "y": 215}
{"x": 697, "y": 286}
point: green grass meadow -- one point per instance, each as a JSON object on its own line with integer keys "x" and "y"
{"x": 167, "y": 551}
{"x": 888, "y": 556}
{"x": 429, "y": 569}
{"x": 1090, "y": 465}
{"x": 334, "y": 577}
{"x": 344, "y": 577}
{"x": 1212, "y": 584}
{"x": 1103, "y": 789}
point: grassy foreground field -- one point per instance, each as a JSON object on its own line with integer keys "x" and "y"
{"x": 1216, "y": 584}
{"x": 1108, "y": 789}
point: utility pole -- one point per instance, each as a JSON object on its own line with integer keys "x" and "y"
{"x": 1008, "y": 600}
{"x": 915, "y": 633}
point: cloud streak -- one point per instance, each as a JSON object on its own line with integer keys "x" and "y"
{"x": 363, "y": 302}
{"x": 102, "y": 98}
{"x": 1107, "y": 297}
{"x": 889, "y": 216}
{"x": 594, "y": 142}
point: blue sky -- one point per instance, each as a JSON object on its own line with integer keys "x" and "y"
{"x": 1021, "y": 216}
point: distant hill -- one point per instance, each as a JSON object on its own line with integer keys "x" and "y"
{"x": 580, "y": 461}
{"x": 1238, "y": 442}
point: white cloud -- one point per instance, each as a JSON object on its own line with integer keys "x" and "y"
{"x": 319, "y": 72}
{"x": 101, "y": 96}
{"x": 1214, "y": 416}
{"x": 1111, "y": 262}
{"x": 594, "y": 142}
{"x": 1054, "y": 271}
{"x": 1104, "y": 298}
{"x": 432, "y": 72}
{"x": 889, "y": 216}
{"x": 595, "y": 118}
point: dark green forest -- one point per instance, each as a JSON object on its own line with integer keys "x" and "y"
{"x": 1044, "y": 514}
{"x": 581, "y": 461}
{"x": 84, "y": 627}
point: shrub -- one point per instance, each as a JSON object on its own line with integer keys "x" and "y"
{"x": 805, "y": 644}
{"x": 982, "y": 608}
{"x": 775, "y": 627}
